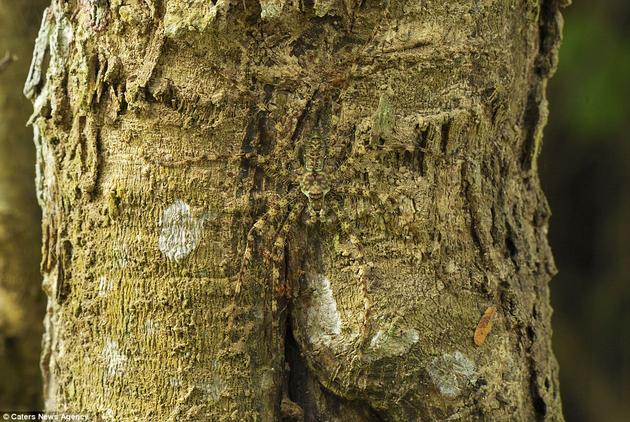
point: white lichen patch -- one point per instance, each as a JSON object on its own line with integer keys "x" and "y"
{"x": 192, "y": 15}
{"x": 115, "y": 361}
{"x": 36, "y": 70}
{"x": 104, "y": 286}
{"x": 407, "y": 210}
{"x": 175, "y": 382}
{"x": 213, "y": 388}
{"x": 451, "y": 267}
{"x": 392, "y": 342}
{"x": 180, "y": 231}
{"x": 323, "y": 7}
{"x": 322, "y": 318}
{"x": 121, "y": 255}
{"x": 61, "y": 39}
{"x": 267, "y": 378}
{"x": 384, "y": 116}
{"x": 150, "y": 327}
{"x": 270, "y": 9}
{"x": 109, "y": 415}
{"x": 451, "y": 372}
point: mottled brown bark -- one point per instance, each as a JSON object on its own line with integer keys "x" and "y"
{"x": 265, "y": 210}
{"x": 21, "y": 299}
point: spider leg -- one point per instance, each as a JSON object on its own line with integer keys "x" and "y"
{"x": 257, "y": 230}
{"x": 347, "y": 166}
{"x": 278, "y": 272}
{"x": 279, "y": 244}
{"x": 285, "y": 148}
{"x": 277, "y": 260}
{"x": 271, "y": 165}
{"x": 242, "y": 203}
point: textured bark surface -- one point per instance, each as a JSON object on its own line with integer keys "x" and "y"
{"x": 21, "y": 299}
{"x": 256, "y": 211}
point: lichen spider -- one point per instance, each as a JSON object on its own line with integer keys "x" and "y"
{"x": 314, "y": 196}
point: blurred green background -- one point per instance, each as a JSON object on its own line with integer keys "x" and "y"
{"x": 585, "y": 171}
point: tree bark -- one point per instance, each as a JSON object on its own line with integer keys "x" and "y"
{"x": 284, "y": 210}
{"x": 21, "y": 300}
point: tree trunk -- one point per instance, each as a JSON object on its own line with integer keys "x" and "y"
{"x": 21, "y": 300}
{"x": 256, "y": 211}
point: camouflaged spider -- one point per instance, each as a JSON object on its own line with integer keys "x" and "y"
{"x": 321, "y": 206}
{"x": 315, "y": 185}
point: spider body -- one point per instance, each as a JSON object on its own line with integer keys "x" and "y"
{"x": 314, "y": 183}
{"x": 303, "y": 163}
{"x": 284, "y": 218}
{"x": 315, "y": 187}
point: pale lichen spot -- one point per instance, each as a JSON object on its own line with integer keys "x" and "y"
{"x": 323, "y": 7}
{"x": 258, "y": 311}
{"x": 270, "y": 9}
{"x": 175, "y": 382}
{"x": 451, "y": 372}
{"x": 407, "y": 210}
{"x": 213, "y": 388}
{"x": 451, "y": 267}
{"x": 109, "y": 415}
{"x": 392, "y": 342}
{"x": 267, "y": 377}
{"x": 115, "y": 361}
{"x": 322, "y": 319}
{"x": 192, "y": 15}
{"x": 61, "y": 39}
{"x": 384, "y": 117}
{"x": 104, "y": 286}
{"x": 180, "y": 231}
{"x": 121, "y": 255}
{"x": 150, "y": 327}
